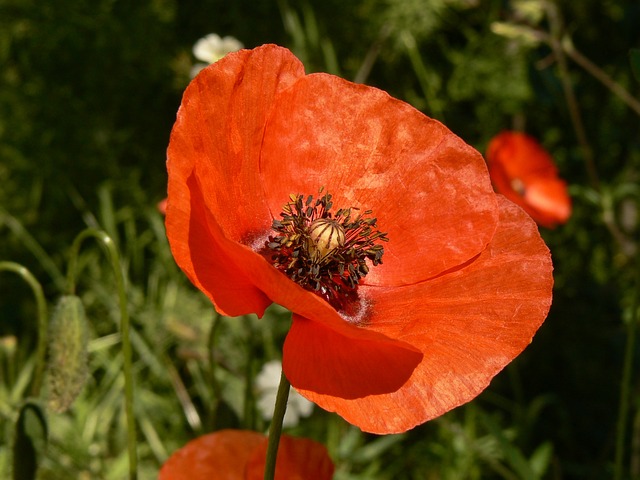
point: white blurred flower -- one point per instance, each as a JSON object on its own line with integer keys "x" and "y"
{"x": 267, "y": 382}
{"x": 212, "y": 48}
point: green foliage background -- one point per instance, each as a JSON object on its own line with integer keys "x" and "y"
{"x": 88, "y": 95}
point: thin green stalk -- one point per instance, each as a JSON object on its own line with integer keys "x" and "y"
{"x": 625, "y": 385}
{"x": 555, "y": 41}
{"x": 600, "y": 75}
{"x": 211, "y": 371}
{"x": 275, "y": 430}
{"x": 114, "y": 257}
{"x": 43, "y": 318}
{"x": 591, "y": 68}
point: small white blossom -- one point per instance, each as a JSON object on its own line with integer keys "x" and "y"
{"x": 267, "y": 382}
{"x": 212, "y": 48}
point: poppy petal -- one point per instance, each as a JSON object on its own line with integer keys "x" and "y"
{"x": 222, "y": 455}
{"x": 298, "y": 459}
{"x": 216, "y": 138}
{"x": 469, "y": 324}
{"x": 371, "y": 151}
{"x": 319, "y": 358}
{"x": 549, "y": 198}
{"x": 241, "y": 454}
{"x": 219, "y": 130}
{"x": 521, "y": 156}
{"x": 200, "y": 255}
{"x": 523, "y": 171}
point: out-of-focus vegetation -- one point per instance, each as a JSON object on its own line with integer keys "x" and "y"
{"x": 88, "y": 95}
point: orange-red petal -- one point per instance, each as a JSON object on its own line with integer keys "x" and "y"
{"x": 298, "y": 459}
{"x": 429, "y": 190}
{"x": 549, "y": 201}
{"x": 201, "y": 254}
{"x": 521, "y": 156}
{"x": 525, "y": 173}
{"x": 222, "y": 455}
{"x": 219, "y": 131}
{"x": 214, "y": 149}
{"x": 319, "y": 358}
{"x": 241, "y": 455}
{"x": 468, "y": 323}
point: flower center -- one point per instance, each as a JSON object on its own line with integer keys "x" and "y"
{"x": 325, "y": 252}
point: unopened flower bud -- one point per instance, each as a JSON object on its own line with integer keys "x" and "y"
{"x": 67, "y": 368}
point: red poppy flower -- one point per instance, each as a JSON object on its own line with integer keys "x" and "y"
{"x": 525, "y": 173}
{"x": 241, "y": 454}
{"x": 465, "y": 280}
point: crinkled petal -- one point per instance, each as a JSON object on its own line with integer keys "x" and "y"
{"x": 469, "y": 324}
{"x": 429, "y": 190}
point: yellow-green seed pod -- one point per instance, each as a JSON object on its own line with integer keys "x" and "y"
{"x": 325, "y": 236}
{"x": 67, "y": 368}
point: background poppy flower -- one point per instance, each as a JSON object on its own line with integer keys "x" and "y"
{"x": 241, "y": 454}
{"x": 525, "y": 173}
{"x": 466, "y": 279}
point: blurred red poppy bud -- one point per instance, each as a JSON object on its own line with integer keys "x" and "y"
{"x": 525, "y": 173}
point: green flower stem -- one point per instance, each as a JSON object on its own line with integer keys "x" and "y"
{"x": 555, "y": 42}
{"x": 114, "y": 257}
{"x": 43, "y": 318}
{"x": 211, "y": 371}
{"x": 625, "y": 384}
{"x": 276, "y": 427}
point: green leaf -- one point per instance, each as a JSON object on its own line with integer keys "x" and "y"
{"x": 30, "y": 441}
{"x": 634, "y": 57}
{"x": 541, "y": 459}
{"x": 68, "y": 342}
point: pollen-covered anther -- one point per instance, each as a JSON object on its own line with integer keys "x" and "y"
{"x": 323, "y": 251}
{"x": 325, "y": 237}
